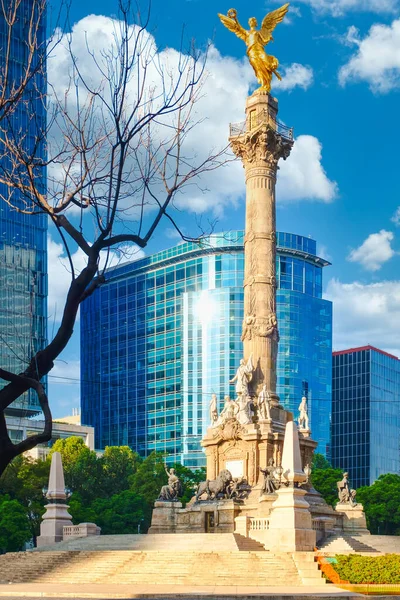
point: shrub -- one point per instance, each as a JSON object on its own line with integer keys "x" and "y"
{"x": 369, "y": 569}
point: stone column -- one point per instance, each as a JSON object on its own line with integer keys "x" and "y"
{"x": 260, "y": 147}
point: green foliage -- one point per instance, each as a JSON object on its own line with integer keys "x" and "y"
{"x": 116, "y": 490}
{"x": 14, "y": 525}
{"x": 23, "y": 481}
{"x": 369, "y": 569}
{"x": 122, "y": 513}
{"x": 119, "y": 464}
{"x": 320, "y": 462}
{"x": 324, "y": 478}
{"x": 381, "y": 502}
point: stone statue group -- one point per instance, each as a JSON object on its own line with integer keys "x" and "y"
{"x": 245, "y": 408}
{"x": 222, "y": 488}
{"x": 226, "y": 487}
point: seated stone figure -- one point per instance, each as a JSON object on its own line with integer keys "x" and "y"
{"x": 173, "y": 490}
{"x": 270, "y": 484}
{"x": 346, "y": 495}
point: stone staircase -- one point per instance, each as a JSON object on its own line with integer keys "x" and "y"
{"x": 152, "y": 567}
{"x": 164, "y": 559}
{"x": 346, "y": 544}
{"x": 246, "y": 544}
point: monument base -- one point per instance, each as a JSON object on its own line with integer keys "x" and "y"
{"x": 290, "y": 523}
{"x": 54, "y": 520}
{"x": 354, "y": 522}
{"x": 214, "y": 516}
{"x": 164, "y": 517}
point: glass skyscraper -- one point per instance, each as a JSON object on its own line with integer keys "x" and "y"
{"x": 366, "y": 413}
{"x": 164, "y": 333}
{"x": 23, "y": 258}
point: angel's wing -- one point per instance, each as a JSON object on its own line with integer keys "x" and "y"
{"x": 271, "y": 20}
{"x": 234, "y": 26}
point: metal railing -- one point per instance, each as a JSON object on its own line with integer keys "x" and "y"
{"x": 237, "y": 129}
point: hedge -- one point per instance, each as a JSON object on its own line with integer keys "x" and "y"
{"x": 368, "y": 569}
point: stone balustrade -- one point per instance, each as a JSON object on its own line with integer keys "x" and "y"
{"x": 259, "y": 524}
{"x": 81, "y": 530}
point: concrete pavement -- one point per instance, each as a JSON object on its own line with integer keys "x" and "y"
{"x": 126, "y": 591}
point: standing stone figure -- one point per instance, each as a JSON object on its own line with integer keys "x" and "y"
{"x": 303, "y": 416}
{"x": 213, "y": 410}
{"x": 270, "y": 484}
{"x": 346, "y": 495}
{"x": 243, "y": 377}
{"x": 171, "y": 491}
{"x": 264, "y": 404}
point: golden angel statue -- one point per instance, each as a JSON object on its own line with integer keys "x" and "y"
{"x": 255, "y": 40}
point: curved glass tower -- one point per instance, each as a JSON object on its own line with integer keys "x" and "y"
{"x": 23, "y": 241}
{"x": 163, "y": 334}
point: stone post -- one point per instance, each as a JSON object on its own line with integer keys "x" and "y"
{"x": 56, "y": 515}
{"x": 260, "y": 146}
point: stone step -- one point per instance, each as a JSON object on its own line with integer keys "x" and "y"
{"x": 342, "y": 543}
{"x": 245, "y": 568}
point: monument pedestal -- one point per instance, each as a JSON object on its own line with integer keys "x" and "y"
{"x": 290, "y": 523}
{"x": 354, "y": 522}
{"x": 164, "y": 518}
{"x": 54, "y": 520}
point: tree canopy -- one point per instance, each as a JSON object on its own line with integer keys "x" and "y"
{"x": 115, "y": 490}
{"x": 381, "y": 502}
{"x": 324, "y": 479}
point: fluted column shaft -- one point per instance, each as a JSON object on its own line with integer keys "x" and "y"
{"x": 260, "y": 147}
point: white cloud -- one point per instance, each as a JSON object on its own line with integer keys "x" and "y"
{"x": 323, "y": 252}
{"x": 302, "y": 176}
{"x": 337, "y": 8}
{"x": 59, "y": 273}
{"x": 396, "y": 217}
{"x": 222, "y": 101}
{"x": 375, "y": 251}
{"x": 365, "y": 314}
{"x": 377, "y": 58}
{"x": 294, "y": 12}
{"x": 295, "y": 75}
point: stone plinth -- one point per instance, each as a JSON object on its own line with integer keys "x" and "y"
{"x": 214, "y": 516}
{"x": 290, "y": 523}
{"x": 354, "y": 522}
{"x": 164, "y": 516}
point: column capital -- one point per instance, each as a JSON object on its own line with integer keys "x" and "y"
{"x": 262, "y": 147}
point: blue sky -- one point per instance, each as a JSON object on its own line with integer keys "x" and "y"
{"x": 341, "y": 65}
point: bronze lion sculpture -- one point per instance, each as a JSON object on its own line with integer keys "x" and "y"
{"x": 214, "y": 487}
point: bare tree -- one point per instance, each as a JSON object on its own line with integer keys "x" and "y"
{"x": 118, "y": 150}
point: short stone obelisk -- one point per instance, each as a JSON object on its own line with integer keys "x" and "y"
{"x": 56, "y": 515}
{"x": 260, "y": 146}
{"x": 290, "y": 522}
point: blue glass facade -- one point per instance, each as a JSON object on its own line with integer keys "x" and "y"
{"x": 366, "y": 413}
{"x": 23, "y": 242}
{"x": 164, "y": 333}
